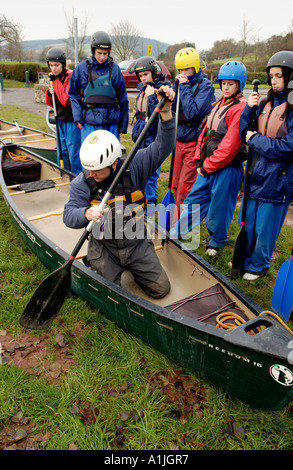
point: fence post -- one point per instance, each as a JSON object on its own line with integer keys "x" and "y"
{"x": 27, "y": 79}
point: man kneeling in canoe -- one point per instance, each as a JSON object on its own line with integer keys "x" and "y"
{"x": 119, "y": 239}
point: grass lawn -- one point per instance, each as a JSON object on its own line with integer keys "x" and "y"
{"x": 86, "y": 384}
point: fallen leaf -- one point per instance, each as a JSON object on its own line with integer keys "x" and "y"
{"x": 124, "y": 415}
{"x": 238, "y": 430}
{"x": 59, "y": 338}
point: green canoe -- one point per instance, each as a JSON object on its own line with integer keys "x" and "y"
{"x": 251, "y": 361}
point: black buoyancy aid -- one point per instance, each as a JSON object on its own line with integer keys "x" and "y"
{"x": 182, "y": 119}
{"x": 216, "y": 131}
{"x": 99, "y": 92}
{"x": 272, "y": 121}
{"x": 127, "y": 201}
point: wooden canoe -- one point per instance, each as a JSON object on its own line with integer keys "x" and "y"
{"x": 250, "y": 361}
{"x": 42, "y": 143}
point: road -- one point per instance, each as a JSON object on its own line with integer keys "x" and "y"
{"x": 23, "y": 98}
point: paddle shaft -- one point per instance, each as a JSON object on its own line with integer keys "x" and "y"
{"x": 249, "y": 159}
{"x": 147, "y": 109}
{"x": 239, "y": 254}
{"x": 57, "y": 127}
{"x": 120, "y": 174}
{"x": 173, "y": 152}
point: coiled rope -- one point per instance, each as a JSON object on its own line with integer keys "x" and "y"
{"x": 223, "y": 317}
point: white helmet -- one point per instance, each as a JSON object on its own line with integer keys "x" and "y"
{"x": 99, "y": 149}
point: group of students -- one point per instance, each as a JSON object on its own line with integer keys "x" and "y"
{"x": 210, "y": 137}
{"x": 220, "y": 150}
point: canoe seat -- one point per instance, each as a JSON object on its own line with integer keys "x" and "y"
{"x": 36, "y": 186}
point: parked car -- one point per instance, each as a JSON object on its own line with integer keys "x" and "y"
{"x": 131, "y": 80}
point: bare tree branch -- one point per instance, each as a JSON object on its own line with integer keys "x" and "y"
{"x": 10, "y": 34}
{"x": 82, "y": 36}
{"x": 125, "y": 39}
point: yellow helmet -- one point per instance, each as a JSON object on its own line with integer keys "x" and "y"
{"x": 186, "y": 58}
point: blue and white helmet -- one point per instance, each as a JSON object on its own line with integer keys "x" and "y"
{"x": 233, "y": 70}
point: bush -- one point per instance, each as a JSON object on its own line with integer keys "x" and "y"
{"x": 17, "y": 71}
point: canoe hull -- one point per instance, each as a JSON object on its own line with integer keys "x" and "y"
{"x": 241, "y": 364}
{"x": 42, "y": 143}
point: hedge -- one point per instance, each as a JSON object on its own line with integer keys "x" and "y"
{"x": 17, "y": 71}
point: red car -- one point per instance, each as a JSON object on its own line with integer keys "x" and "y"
{"x": 131, "y": 80}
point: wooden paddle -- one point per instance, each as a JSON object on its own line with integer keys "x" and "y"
{"x": 168, "y": 202}
{"x": 282, "y": 299}
{"x": 46, "y": 301}
{"x": 241, "y": 240}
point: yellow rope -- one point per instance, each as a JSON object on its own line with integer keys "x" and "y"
{"x": 268, "y": 312}
{"x": 13, "y": 156}
{"x": 223, "y": 317}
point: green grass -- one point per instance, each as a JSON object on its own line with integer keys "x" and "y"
{"x": 25, "y": 118}
{"x": 111, "y": 398}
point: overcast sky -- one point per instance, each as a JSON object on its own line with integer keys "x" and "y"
{"x": 201, "y": 22}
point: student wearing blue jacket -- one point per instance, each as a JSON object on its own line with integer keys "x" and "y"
{"x": 271, "y": 180}
{"x": 149, "y": 78}
{"x": 119, "y": 238}
{"x": 97, "y": 91}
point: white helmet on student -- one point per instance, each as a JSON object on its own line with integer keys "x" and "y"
{"x": 99, "y": 149}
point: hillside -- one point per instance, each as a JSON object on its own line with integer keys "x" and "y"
{"x": 39, "y": 45}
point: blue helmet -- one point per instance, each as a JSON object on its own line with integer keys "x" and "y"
{"x": 233, "y": 70}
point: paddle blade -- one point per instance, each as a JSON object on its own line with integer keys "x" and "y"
{"x": 282, "y": 299}
{"x": 167, "y": 210}
{"x": 48, "y": 298}
{"x": 239, "y": 254}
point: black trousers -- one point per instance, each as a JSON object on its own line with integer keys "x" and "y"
{"x": 110, "y": 258}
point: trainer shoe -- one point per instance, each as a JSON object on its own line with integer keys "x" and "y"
{"x": 250, "y": 276}
{"x": 211, "y": 251}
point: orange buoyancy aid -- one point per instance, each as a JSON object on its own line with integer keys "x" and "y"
{"x": 142, "y": 105}
{"x": 216, "y": 130}
{"x": 219, "y": 113}
{"x": 272, "y": 121}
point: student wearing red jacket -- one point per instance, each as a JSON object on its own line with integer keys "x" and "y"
{"x": 218, "y": 159}
{"x": 69, "y": 134}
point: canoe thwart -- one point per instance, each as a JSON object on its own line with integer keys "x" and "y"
{"x": 46, "y": 214}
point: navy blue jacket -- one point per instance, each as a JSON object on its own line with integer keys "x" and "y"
{"x": 194, "y": 107}
{"x": 99, "y": 116}
{"x": 272, "y": 176}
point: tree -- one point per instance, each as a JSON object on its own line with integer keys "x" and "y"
{"x": 82, "y": 38}
{"x": 245, "y": 33}
{"x": 10, "y": 35}
{"x": 125, "y": 39}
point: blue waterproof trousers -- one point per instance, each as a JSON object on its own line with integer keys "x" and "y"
{"x": 70, "y": 140}
{"x": 89, "y": 128}
{"x": 214, "y": 197}
{"x": 263, "y": 223}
